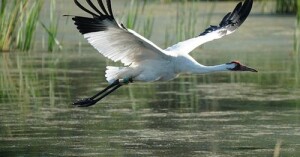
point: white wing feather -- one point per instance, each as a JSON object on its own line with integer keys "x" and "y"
{"x": 113, "y": 40}
{"x": 125, "y": 45}
{"x": 189, "y": 45}
{"x": 229, "y": 24}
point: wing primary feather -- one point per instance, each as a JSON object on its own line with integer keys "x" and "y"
{"x": 84, "y": 9}
{"x": 109, "y": 8}
{"x": 102, "y": 7}
{"x": 94, "y": 7}
{"x": 226, "y": 17}
{"x": 245, "y": 10}
{"x": 117, "y": 43}
{"x": 234, "y": 19}
{"x": 229, "y": 24}
{"x": 235, "y": 13}
{"x": 88, "y": 25}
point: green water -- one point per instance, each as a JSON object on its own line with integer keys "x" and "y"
{"x": 223, "y": 114}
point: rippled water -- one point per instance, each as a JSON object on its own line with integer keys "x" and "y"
{"x": 224, "y": 114}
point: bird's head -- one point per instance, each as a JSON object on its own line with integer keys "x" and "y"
{"x": 237, "y": 66}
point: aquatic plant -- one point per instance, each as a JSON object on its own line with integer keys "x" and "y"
{"x": 286, "y": 6}
{"x": 18, "y": 20}
{"x": 132, "y": 15}
{"x": 184, "y": 25}
{"x": 296, "y": 45}
{"x": 52, "y": 28}
{"x": 148, "y": 27}
{"x": 7, "y": 85}
{"x": 28, "y": 23}
{"x": 134, "y": 21}
{"x": 9, "y": 16}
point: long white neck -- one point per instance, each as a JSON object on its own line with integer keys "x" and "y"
{"x": 201, "y": 69}
{"x": 186, "y": 64}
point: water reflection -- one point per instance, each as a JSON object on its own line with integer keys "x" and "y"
{"x": 220, "y": 114}
{"x": 120, "y": 131}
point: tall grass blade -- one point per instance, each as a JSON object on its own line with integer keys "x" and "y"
{"x": 286, "y": 6}
{"x": 148, "y": 27}
{"x": 18, "y": 19}
{"x": 133, "y": 14}
{"x": 53, "y": 26}
{"x": 9, "y": 21}
{"x": 30, "y": 25}
{"x": 52, "y": 40}
{"x": 297, "y": 44}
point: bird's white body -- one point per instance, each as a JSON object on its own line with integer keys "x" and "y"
{"x": 142, "y": 59}
{"x": 162, "y": 70}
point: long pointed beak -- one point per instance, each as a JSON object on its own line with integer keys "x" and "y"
{"x": 245, "y": 68}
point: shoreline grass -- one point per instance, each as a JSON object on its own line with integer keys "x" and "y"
{"x": 28, "y": 25}
{"x": 297, "y": 44}
{"x": 286, "y": 6}
{"x": 10, "y": 13}
{"x": 18, "y": 23}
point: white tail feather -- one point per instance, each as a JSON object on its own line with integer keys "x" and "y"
{"x": 112, "y": 73}
{"x": 115, "y": 73}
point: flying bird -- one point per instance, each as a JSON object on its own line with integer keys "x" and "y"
{"x": 143, "y": 60}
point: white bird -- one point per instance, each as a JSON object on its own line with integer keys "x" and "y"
{"x": 142, "y": 59}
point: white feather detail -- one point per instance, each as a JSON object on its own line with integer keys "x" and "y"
{"x": 126, "y": 46}
{"x": 189, "y": 45}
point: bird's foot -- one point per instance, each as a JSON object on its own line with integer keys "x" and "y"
{"x": 84, "y": 102}
{"x": 99, "y": 96}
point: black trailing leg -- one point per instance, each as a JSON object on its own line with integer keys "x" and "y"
{"x": 108, "y": 90}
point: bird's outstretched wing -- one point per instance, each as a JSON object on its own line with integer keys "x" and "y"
{"x": 229, "y": 24}
{"x": 113, "y": 39}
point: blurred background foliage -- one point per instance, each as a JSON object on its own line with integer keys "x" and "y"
{"x": 20, "y": 18}
{"x": 282, "y": 6}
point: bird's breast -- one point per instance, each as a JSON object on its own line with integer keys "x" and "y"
{"x": 157, "y": 71}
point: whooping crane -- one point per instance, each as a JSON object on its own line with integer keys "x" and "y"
{"x": 142, "y": 59}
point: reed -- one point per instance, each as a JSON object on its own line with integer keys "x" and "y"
{"x": 132, "y": 15}
{"x": 134, "y": 18}
{"x": 277, "y": 148}
{"x": 185, "y": 24}
{"x": 9, "y": 18}
{"x": 297, "y": 44}
{"x": 18, "y": 23}
{"x": 51, "y": 30}
{"x": 7, "y": 85}
{"x": 286, "y": 6}
{"x": 28, "y": 26}
{"x": 148, "y": 27}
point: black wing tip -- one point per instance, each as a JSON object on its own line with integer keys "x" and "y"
{"x": 95, "y": 23}
{"x": 209, "y": 30}
{"x": 238, "y": 15}
{"x": 101, "y": 13}
{"x": 88, "y": 25}
{"x": 234, "y": 19}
